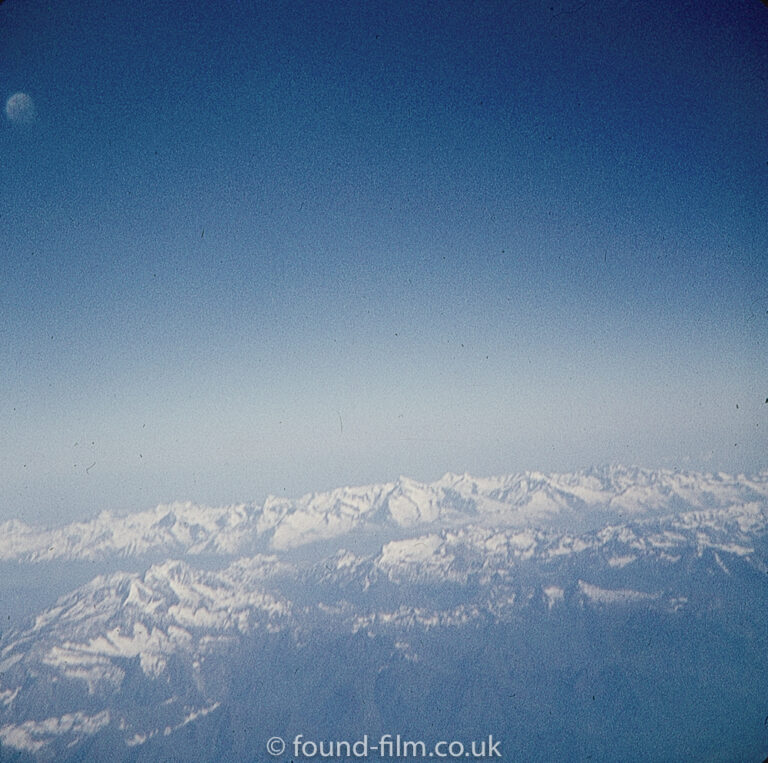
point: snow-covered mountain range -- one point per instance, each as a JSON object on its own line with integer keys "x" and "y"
{"x": 580, "y": 500}
{"x": 375, "y": 581}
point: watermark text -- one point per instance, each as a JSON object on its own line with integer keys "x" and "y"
{"x": 385, "y": 746}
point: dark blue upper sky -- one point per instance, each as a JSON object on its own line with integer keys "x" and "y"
{"x": 275, "y": 247}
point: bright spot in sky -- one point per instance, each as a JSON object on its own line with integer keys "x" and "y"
{"x": 20, "y": 108}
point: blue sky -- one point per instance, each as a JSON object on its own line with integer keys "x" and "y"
{"x": 277, "y": 247}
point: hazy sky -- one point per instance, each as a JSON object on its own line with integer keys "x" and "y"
{"x": 277, "y": 247}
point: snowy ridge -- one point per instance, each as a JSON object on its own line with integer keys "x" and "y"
{"x": 174, "y": 608}
{"x": 445, "y": 556}
{"x": 171, "y": 607}
{"x": 32, "y": 736}
{"x": 593, "y": 496}
{"x": 121, "y": 625}
{"x": 174, "y": 528}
